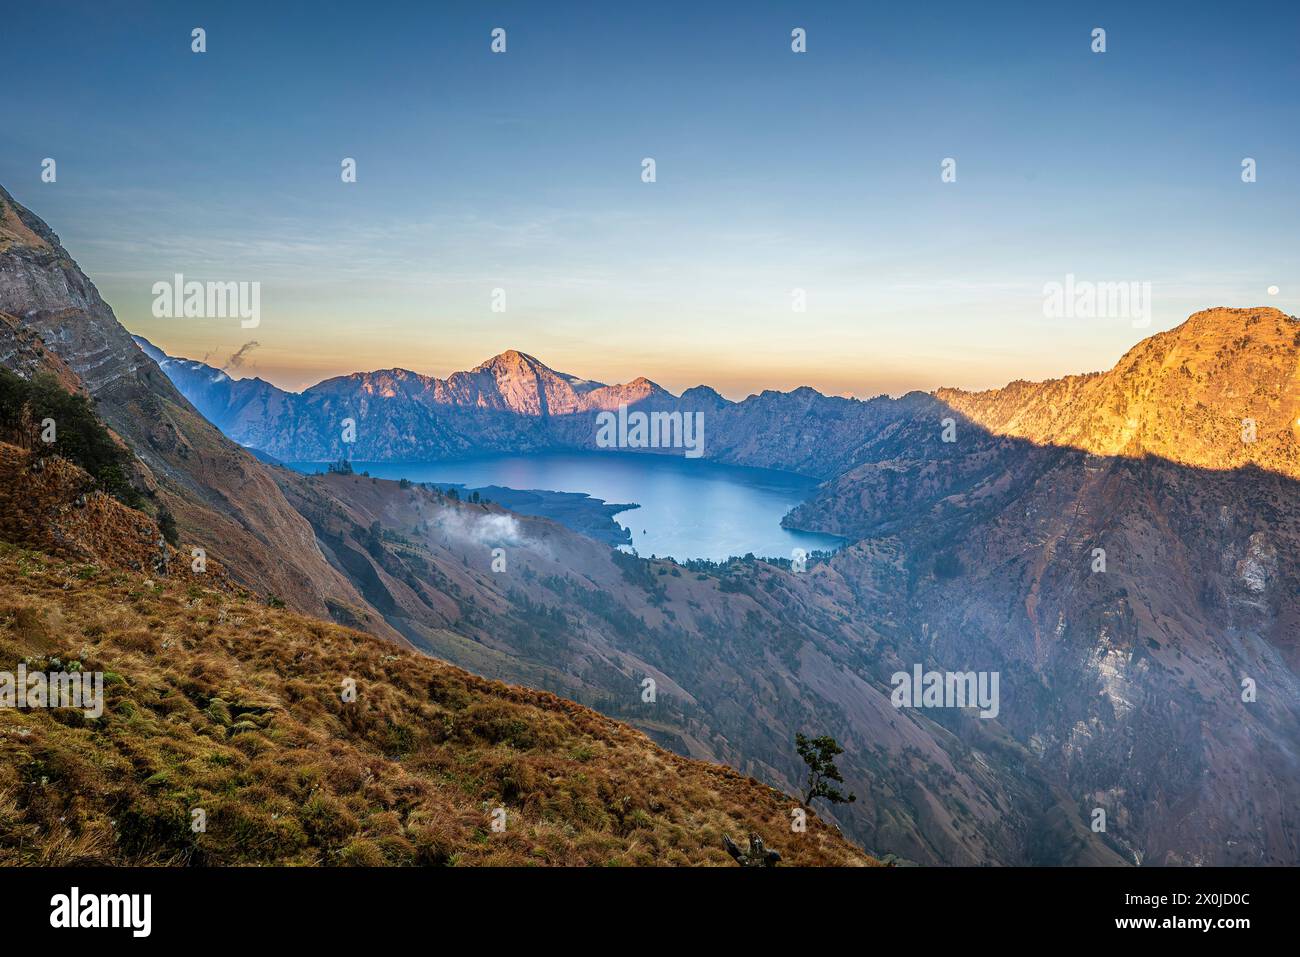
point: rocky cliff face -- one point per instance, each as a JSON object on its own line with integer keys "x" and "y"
{"x": 221, "y": 496}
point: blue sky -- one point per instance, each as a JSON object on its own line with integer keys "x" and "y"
{"x": 775, "y": 171}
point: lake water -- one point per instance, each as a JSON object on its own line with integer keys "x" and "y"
{"x": 689, "y": 508}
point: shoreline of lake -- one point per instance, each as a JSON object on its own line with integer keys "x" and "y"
{"x": 661, "y": 505}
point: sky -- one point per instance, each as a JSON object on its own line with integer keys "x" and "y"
{"x": 775, "y": 171}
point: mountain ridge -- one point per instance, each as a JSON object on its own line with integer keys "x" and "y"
{"x": 493, "y": 409}
{"x": 514, "y": 360}
{"x": 514, "y": 402}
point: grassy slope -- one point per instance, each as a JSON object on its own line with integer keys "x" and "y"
{"x": 221, "y": 703}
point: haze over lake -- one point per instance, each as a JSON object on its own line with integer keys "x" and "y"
{"x": 689, "y": 508}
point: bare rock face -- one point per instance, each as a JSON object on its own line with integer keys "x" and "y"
{"x": 42, "y": 287}
{"x": 24, "y": 352}
{"x": 1258, "y": 566}
{"x": 221, "y": 496}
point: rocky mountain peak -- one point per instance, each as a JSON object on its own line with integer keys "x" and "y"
{"x": 1219, "y": 391}
{"x": 512, "y": 360}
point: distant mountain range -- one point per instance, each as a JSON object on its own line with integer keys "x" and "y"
{"x": 1122, "y": 548}
{"x": 516, "y": 403}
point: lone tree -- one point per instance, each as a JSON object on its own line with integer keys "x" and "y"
{"x": 819, "y": 754}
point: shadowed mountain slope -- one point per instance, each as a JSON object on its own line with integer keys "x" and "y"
{"x": 1123, "y": 547}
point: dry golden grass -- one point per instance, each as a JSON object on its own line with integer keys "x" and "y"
{"x": 216, "y": 702}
